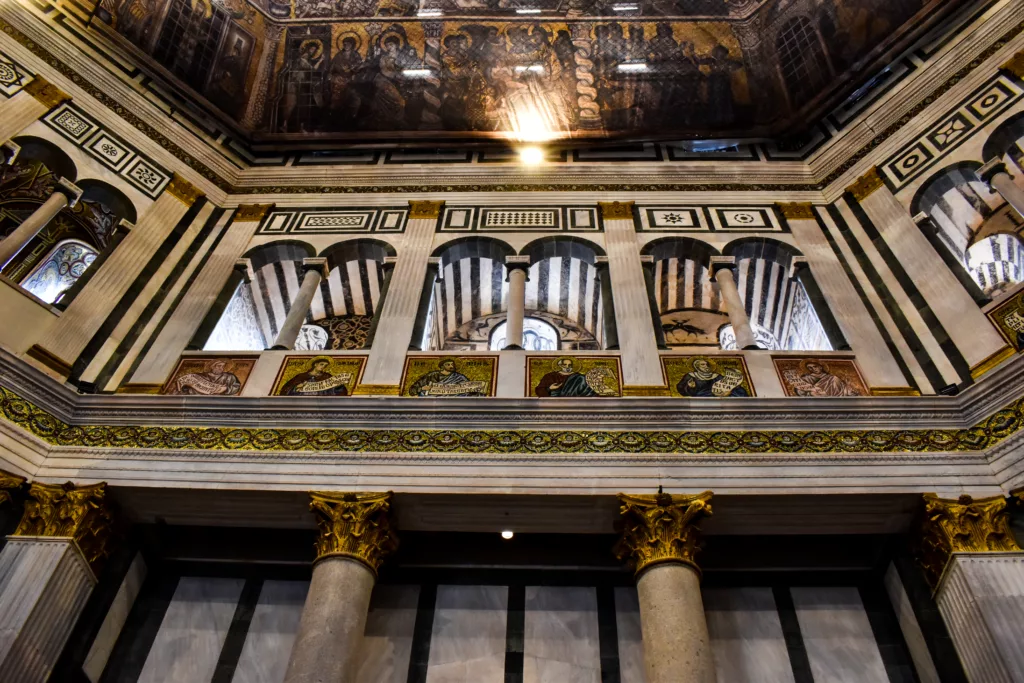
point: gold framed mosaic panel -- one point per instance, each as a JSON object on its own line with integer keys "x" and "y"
{"x": 449, "y": 376}
{"x": 573, "y": 376}
{"x": 820, "y": 376}
{"x": 707, "y": 376}
{"x": 319, "y": 375}
{"x": 1008, "y": 317}
{"x": 209, "y": 376}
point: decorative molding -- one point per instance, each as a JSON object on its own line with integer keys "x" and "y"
{"x": 357, "y": 526}
{"x": 80, "y": 514}
{"x": 50, "y": 360}
{"x": 640, "y": 390}
{"x": 151, "y": 389}
{"x": 964, "y": 525}
{"x": 524, "y": 218}
{"x": 611, "y": 211}
{"x": 47, "y": 93}
{"x": 1003, "y": 354}
{"x": 797, "y": 211}
{"x": 1015, "y": 66}
{"x": 183, "y": 190}
{"x": 425, "y": 209}
{"x": 660, "y": 528}
{"x": 377, "y": 390}
{"x": 866, "y": 184}
{"x": 333, "y": 220}
{"x": 9, "y": 482}
{"x": 251, "y": 213}
{"x": 893, "y": 391}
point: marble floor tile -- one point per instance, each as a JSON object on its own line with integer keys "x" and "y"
{"x": 387, "y": 641}
{"x": 268, "y": 643}
{"x": 837, "y": 635}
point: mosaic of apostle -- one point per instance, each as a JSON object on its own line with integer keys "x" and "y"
{"x": 573, "y": 376}
{"x": 449, "y": 376}
{"x": 209, "y": 376}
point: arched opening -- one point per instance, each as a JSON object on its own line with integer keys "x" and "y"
{"x": 691, "y": 311}
{"x": 60, "y": 269}
{"x": 538, "y": 335}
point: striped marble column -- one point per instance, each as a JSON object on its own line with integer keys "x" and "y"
{"x": 27, "y": 106}
{"x": 59, "y": 350}
{"x": 398, "y": 314}
{"x": 873, "y": 356}
{"x": 969, "y": 329}
{"x": 201, "y": 295}
{"x": 970, "y": 557}
{"x": 641, "y": 365}
{"x": 47, "y": 572}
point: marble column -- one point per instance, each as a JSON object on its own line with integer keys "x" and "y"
{"x": 28, "y": 105}
{"x": 998, "y": 178}
{"x": 59, "y": 349}
{"x": 518, "y": 268}
{"x": 388, "y": 266}
{"x": 314, "y": 270}
{"x": 604, "y": 280}
{"x": 64, "y": 194}
{"x": 641, "y": 365}
{"x": 398, "y": 316}
{"x": 721, "y": 269}
{"x": 647, "y": 262}
{"x": 971, "y": 559}
{"x": 419, "y": 330}
{"x": 117, "y": 235}
{"x": 659, "y": 540}
{"x": 355, "y": 534}
{"x": 47, "y": 572}
{"x": 967, "y": 326}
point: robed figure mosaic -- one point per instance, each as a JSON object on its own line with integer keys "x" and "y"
{"x": 720, "y": 376}
{"x": 573, "y": 376}
{"x": 209, "y": 376}
{"x": 448, "y": 376}
{"x": 319, "y": 375}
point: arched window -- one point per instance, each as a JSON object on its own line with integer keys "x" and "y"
{"x": 59, "y": 270}
{"x": 801, "y": 60}
{"x": 537, "y": 336}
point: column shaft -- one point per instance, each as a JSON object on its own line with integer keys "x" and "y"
{"x": 332, "y": 623}
{"x": 516, "y": 308}
{"x": 12, "y": 245}
{"x": 677, "y": 647}
{"x": 1002, "y": 183}
{"x": 734, "y": 305}
{"x": 19, "y": 112}
{"x": 300, "y": 306}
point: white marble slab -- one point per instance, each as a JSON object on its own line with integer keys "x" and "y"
{"x": 387, "y": 641}
{"x": 837, "y": 635}
{"x": 268, "y": 642}
{"x": 916, "y": 643}
{"x": 560, "y": 639}
{"x": 746, "y": 636}
{"x": 630, "y": 635}
{"x": 113, "y": 622}
{"x": 467, "y": 644}
{"x": 188, "y": 644}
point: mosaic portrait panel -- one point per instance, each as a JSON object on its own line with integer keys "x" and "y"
{"x": 707, "y": 376}
{"x": 820, "y": 376}
{"x": 319, "y": 375}
{"x": 573, "y": 376}
{"x": 1008, "y": 317}
{"x": 437, "y": 376}
{"x": 209, "y": 376}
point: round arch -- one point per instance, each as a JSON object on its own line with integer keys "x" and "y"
{"x": 564, "y": 246}
{"x": 473, "y": 247}
{"x": 680, "y": 247}
{"x": 357, "y": 250}
{"x": 283, "y": 250}
{"x": 111, "y": 198}
{"x": 941, "y": 182}
{"x": 1004, "y": 138}
{"x": 48, "y": 154}
{"x": 762, "y": 248}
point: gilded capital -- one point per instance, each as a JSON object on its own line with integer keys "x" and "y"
{"x": 866, "y": 184}
{"x": 354, "y": 525}
{"x": 964, "y": 525}
{"x": 47, "y": 93}
{"x": 79, "y": 513}
{"x": 660, "y": 528}
{"x": 616, "y": 210}
{"x": 8, "y": 484}
{"x": 252, "y": 212}
{"x": 183, "y": 190}
{"x": 1015, "y": 66}
{"x": 797, "y": 211}
{"x": 425, "y": 209}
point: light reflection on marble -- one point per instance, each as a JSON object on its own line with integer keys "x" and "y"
{"x": 188, "y": 644}
{"x": 561, "y": 642}
{"x": 467, "y": 644}
{"x": 837, "y": 635}
{"x": 114, "y": 621}
{"x": 268, "y": 643}
{"x": 387, "y": 641}
{"x": 631, "y": 646}
{"x": 746, "y": 636}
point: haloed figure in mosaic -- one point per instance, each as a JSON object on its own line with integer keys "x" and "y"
{"x": 447, "y": 381}
{"x": 564, "y": 381}
{"x": 704, "y": 381}
{"x": 218, "y": 380}
{"x": 317, "y": 381}
{"x": 814, "y": 379}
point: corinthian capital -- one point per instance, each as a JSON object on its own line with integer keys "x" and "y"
{"x": 78, "y": 513}
{"x": 660, "y": 528}
{"x": 8, "y": 483}
{"x": 963, "y": 525}
{"x": 354, "y": 525}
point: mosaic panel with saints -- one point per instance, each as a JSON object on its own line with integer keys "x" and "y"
{"x": 447, "y": 376}
{"x": 319, "y": 375}
{"x": 573, "y": 376}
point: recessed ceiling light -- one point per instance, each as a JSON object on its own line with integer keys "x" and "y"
{"x": 531, "y": 155}
{"x": 416, "y": 73}
{"x": 633, "y": 66}
{"x": 507, "y": 534}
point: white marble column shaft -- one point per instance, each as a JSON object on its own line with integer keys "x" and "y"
{"x": 18, "y": 113}
{"x": 315, "y": 271}
{"x": 641, "y": 364}
{"x": 332, "y": 624}
{"x": 734, "y": 306}
{"x": 995, "y": 173}
{"x": 677, "y": 647}
{"x": 968, "y": 327}
{"x": 981, "y": 599}
{"x": 44, "y": 584}
{"x": 516, "y": 306}
{"x": 64, "y": 195}
{"x": 873, "y": 356}
{"x": 398, "y": 314}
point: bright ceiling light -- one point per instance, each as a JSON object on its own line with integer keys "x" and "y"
{"x": 625, "y": 8}
{"x": 535, "y": 68}
{"x": 506, "y": 534}
{"x": 531, "y": 156}
{"x": 528, "y": 10}
{"x": 633, "y": 67}
{"x": 416, "y": 73}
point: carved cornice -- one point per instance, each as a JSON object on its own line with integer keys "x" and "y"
{"x": 964, "y": 525}
{"x": 866, "y": 184}
{"x": 611, "y": 211}
{"x": 47, "y": 93}
{"x": 183, "y": 190}
{"x": 8, "y": 483}
{"x": 425, "y": 209}
{"x": 797, "y": 211}
{"x": 81, "y": 514}
{"x": 354, "y": 525}
{"x": 660, "y": 528}
{"x": 252, "y": 212}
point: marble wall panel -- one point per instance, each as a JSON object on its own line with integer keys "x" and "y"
{"x": 192, "y": 633}
{"x": 746, "y": 636}
{"x": 840, "y": 645}
{"x": 387, "y": 641}
{"x": 630, "y": 637}
{"x": 113, "y": 622}
{"x": 561, "y": 642}
{"x": 467, "y": 644}
{"x": 268, "y": 642}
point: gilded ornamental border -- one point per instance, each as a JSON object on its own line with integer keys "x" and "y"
{"x": 52, "y": 430}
